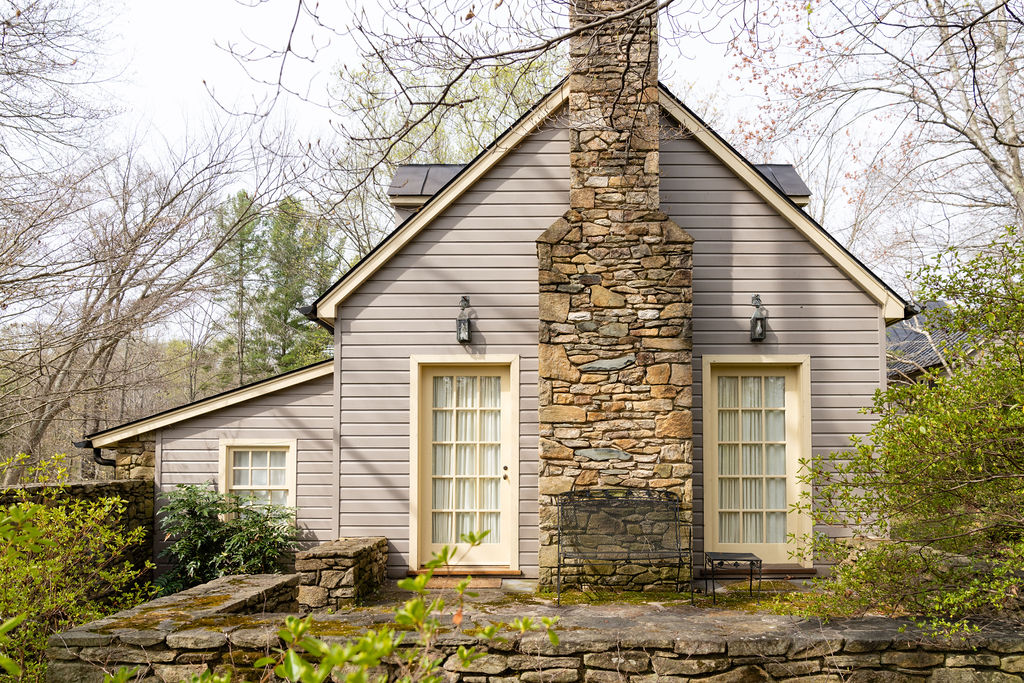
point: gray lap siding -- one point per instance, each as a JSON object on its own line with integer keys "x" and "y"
{"x": 483, "y": 246}
{"x": 189, "y": 451}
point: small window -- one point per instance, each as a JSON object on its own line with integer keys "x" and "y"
{"x": 260, "y": 474}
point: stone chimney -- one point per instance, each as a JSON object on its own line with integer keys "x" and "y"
{"x": 615, "y": 288}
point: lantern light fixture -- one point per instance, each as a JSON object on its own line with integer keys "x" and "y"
{"x": 759, "y": 320}
{"x": 462, "y": 332}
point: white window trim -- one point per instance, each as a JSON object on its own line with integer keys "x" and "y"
{"x": 416, "y": 364}
{"x": 291, "y": 458}
{"x": 802, "y": 364}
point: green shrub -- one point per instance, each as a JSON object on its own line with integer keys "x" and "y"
{"x": 933, "y": 494}
{"x": 62, "y": 563}
{"x": 219, "y": 534}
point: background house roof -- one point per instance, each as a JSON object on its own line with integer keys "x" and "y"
{"x": 910, "y": 350}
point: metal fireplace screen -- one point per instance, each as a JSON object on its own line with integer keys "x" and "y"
{"x": 627, "y": 526}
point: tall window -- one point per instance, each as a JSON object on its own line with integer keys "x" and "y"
{"x": 752, "y": 459}
{"x": 465, "y": 457}
{"x": 259, "y": 474}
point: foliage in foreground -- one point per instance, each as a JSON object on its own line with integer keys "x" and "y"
{"x": 934, "y": 493}
{"x": 62, "y": 563}
{"x": 310, "y": 660}
{"x": 218, "y": 534}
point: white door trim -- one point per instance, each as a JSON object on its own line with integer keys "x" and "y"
{"x": 801, "y": 363}
{"x": 416, "y": 365}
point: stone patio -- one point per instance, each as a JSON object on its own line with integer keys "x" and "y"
{"x": 231, "y": 622}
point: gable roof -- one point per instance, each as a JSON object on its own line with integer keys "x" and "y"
{"x": 112, "y": 435}
{"x": 894, "y": 307}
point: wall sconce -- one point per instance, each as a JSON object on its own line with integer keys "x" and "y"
{"x": 462, "y": 332}
{"x": 758, "y": 321}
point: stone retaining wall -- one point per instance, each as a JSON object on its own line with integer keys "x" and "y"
{"x": 342, "y": 571}
{"x": 224, "y": 625}
{"x": 177, "y": 635}
{"x": 138, "y": 495}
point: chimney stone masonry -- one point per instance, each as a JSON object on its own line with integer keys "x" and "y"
{"x": 615, "y": 290}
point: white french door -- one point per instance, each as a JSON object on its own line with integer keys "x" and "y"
{"x": 753, "y": 442}
{"x": 466, "y": 462}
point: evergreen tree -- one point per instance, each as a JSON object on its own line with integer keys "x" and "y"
{"x": 302, "y": 258}
{"x": 239, "y": 265}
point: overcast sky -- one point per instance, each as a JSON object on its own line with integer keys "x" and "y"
{"x": 169, "y": 49}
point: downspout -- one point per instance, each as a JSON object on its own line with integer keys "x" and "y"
{"x": 309, "y": 312}
{"x": 96, "y": 453}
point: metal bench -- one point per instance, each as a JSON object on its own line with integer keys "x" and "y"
{"x": 714, "y": 561}
{"x": 621, "y": 526}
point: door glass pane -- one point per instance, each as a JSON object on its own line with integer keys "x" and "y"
{"x": 774, "y": 392}
{"x": 729, "y": 493}
{"x": 277, "y": 477}
{"x": 751, "y": 459}
{"x": 442, "y": 425}
{"x": 489, "y": 492}
{"x": 442, "y": 494}
{"x": 728, "y": 392}
{"x": 490, "y": 460}
{"x": 442, "y": 460}
{"x": 490, "y": 425}
{"x": 776, "y": 494}
{"x": 277, "y": 459}
{"x": 774, "y": 425}
{"x": 491, "y": 521}
{"x": 728, "y": 459}
{"x": 750, "y": 393}
{"x": 241, "y": 459}
{"x": 728, "y": 527}
{"x": 776, "y": 523}
{"x": 490, "y": 392}
{"x": 752, "y": 531}
{"x": 279, "y": 497}
{"x": 240, "y": 478}
{"x": 443, "y": 391}
{"x": 752, "y": 425}
{"x": 259, "y": 458}
{"x": 465, "y": 460}
{"x": 728, "y": 425}
{"x": 465, "y": 392}
{"x": 442, "y": 527}
{"x": 465, "y": 429}
{"x": 259, "y": 477}
{"x": 776, "y": 458}
{"x": 465, "y": 494}
{"x": 752, "y": 494}
{"x": 465, "y": 523}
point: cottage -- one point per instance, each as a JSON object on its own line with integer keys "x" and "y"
{"x": 600, "y": 259}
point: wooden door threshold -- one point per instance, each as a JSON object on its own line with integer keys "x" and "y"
{"x": 471, "y": 571}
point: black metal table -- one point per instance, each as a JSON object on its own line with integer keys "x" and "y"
{"x": 714, "y": 561}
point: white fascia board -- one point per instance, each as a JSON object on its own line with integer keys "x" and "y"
{"x": 165, "y": 419}
{"x": 327, "y": 306}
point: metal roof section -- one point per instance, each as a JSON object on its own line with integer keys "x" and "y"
{"x": 787, "y": 181}
{"x": 414, "y": 184}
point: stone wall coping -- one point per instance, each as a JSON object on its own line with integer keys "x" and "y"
{"x": 154, "y": 622}
{"x": 342, "y": 547}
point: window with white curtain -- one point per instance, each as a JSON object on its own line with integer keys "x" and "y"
{"x": 465, "y": 457}
{"x": 752, "y": 463}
